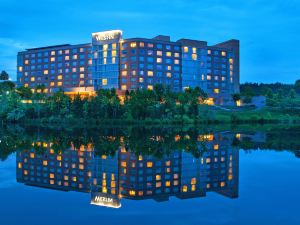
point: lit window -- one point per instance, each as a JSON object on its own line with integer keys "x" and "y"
{"x": 90, "y": 62}
{"x": 67, "y": 51}
{"x": 52, "y": 84}
{"x": 104, "y": 81}
{"x": 193, "y": 188}
{"x": 105, "y": 47}
{"x": 194, "y": 50}
{"x": 132, "y": 193}
{"x": 223, "y": 53}
{"x": 20, "y": 68}
{"x": 159, "y": 60}
{"x": 150, "y": 87}
{"x": 231, "y": 61}
{"x": 114, "y": 53}
{"x": 159, "y": 53}
{"x": 208, "y": 77}
{"x": 158, "y": 184}
{"x": 81, "y": 69}
{"x": 32, "y": 79}
{"x": 104, "y": 61}
{"x": 208, "y": 52}
{"x": 169, "y": 54}
{"x": 223, "y": 78}
{"x": 222, "y": 184}
{"x": 114, "y": 46}
{"x": 124, "y": 73}
{"x": 216, "y": 147}
{"x": 26, "y": 61}
{"x": 75, "y": 56}
{"x": 45, "y": 163}
{"x": 176, "y": 61}
{"x": 169, "y": 75}
{"x": 141, "y": 80}
{"x": 124, "y": 87}
{"x": 168, "y": 183}
{"x": 185, "y": 49}
{"x": 133, "y": 44}
{"x": 52, "y": 52}
{"x": 157, "y": 177}
{"x": 82, "y": 75}
{"x": 142, "y": 44}
{"x": 176, "y": 54}
{"x": 74, "y": 70}
{"x": 59, "y": 77}
{"x": 45, "y": 72}
{"x": 168, "y": 163}
{"x": 208, "y": 160}
{"x": 51, "y": 175}
{"x": 59, "y": 83}
{"x": 194, "y": 56}
{"x": 52, "y": 59}
{"x": 150, "y": 73}
{"x": 67, "y": 57}
{"x": 216, "y": 91}
{"x": 149, "y": 164}
{"x": 184, "y": 188}
{"x": 193, "y": 181}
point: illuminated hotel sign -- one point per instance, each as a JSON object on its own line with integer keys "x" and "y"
{"x": 101, "y": 199}
{"x": 106, "y": 37}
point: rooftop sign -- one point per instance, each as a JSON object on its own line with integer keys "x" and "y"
{"x": 106, "y": 37}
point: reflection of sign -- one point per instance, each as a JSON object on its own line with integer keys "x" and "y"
{"x": 107, "y": 200}
{"x": 106, "y": 37}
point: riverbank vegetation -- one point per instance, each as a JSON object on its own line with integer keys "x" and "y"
{"x": 157, "y": 106}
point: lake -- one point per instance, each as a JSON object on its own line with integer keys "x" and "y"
{"x": 135, "y": 175}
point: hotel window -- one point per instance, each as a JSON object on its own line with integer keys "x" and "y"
{"x": 208, "y": 77}
{"x": 157, "y": 177}
{"x": 169, "y": 75}
{"x": 113, "y": 53}
{"x": 216, "y": 91}
{"x": 81, "y": 75}
{"x": 133, "y": 44}
{"x": 114, "y": 46}
{"x": 158, "y": 184}
{"x": 208, "y": 160}
{"x": 52, "y": 84}
{"x": 52, "y": 52}
{"x": 81, "y": 69}
{"x": 216, "y": 78}
{"x": 223, "y": 78}
{"x": 142, "y": 44}
{"x": 104, "y": 61}
{"x": 169, "y": 67}
{"x": 208, "y": 52}
{"x": 74, "y": 70}
{"x": 168, "y": 183}
{"x": 75, "y": 57}
{"x": 176, "y": 54}
{"x": 105, "y": 47}
{"x": 52, "y": 59}
{"x": 150, "y": 45}
{"x": 194, "y": 50}
{"x": 67, "y": 51}
{"x": 123, "y": 88}
{"x": 185, "y": 49}
{"x": 223, "y": 53}
{"x": 168, "y": 54}
{"x": 59, "y": 83}
{"x": 104, "y": 81}
{"x": 150, "y": 73}
{"x": 159, "y": 53}
{"x": 32, "y": 79}
{"x": 222, "y": 184}
{"x": 45, "y": 163}
{"x": 176, "y": 61}
{"x": 194, "y": 56}
{"x": 59, "y": 77}
{"x": 149, "y": 164}
{"x": 67, "y": 57}
{"x": 26, "y": 61}
{"x": 141, "y": 80}
{"x": 230, "y": 61}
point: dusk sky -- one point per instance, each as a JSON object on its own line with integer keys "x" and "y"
{"x": 269, "y": 31}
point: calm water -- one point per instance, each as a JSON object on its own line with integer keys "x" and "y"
{"x": 150, "y": 176}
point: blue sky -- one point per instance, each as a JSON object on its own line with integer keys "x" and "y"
{"x": 269, "y": 30}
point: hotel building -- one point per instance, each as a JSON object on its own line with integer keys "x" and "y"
{"x": 128, "y": 64}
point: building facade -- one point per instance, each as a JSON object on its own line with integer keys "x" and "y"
{"x": 135, "y": 63}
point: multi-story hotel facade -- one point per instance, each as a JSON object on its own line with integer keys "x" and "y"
{"x": 129, "y": 64}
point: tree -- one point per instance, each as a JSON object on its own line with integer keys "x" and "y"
{"x": 24, "y": 92}
{"x": 297, "y": 86}
{"x": 4, "y": 75}
{"x": 292, "y": 94}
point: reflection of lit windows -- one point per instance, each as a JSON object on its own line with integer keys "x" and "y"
{"x": 208, "y": 186}
{"x": 193, "y": 187}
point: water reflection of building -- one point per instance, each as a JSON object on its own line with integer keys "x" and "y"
{"x": 42, "y": 166}
{"x": 133, "y": 176}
